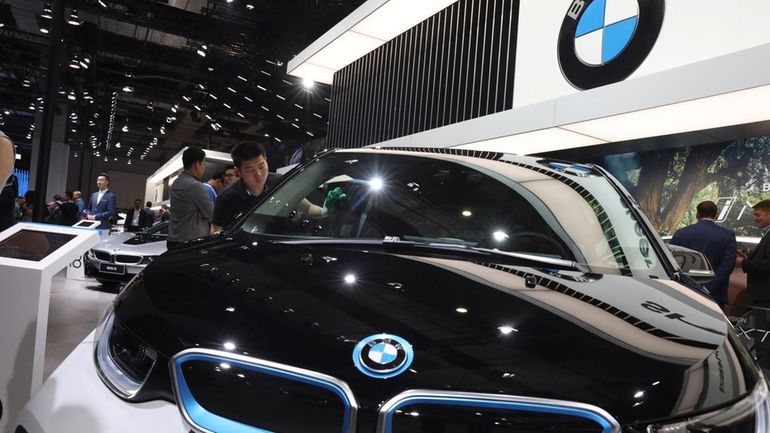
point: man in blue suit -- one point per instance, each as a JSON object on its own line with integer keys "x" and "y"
{"x": 716, "y": 243}
{"x": 102, "y": 205}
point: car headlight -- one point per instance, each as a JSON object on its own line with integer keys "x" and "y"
{"x": 122, "y": 361}
{"x": 749, "y": 415}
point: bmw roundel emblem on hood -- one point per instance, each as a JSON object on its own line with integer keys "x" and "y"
{"x": 383, "y": 356}
{"x": 605, "y": 41}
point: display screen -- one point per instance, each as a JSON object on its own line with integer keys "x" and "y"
{"x": 32, "y": 245}
{"x": 87, "y": 224}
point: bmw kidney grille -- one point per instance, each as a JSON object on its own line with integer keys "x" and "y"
{"x": 427, "y": 410}
{"x": 223, "y": 392}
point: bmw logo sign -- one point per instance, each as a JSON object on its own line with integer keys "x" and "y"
{"x": 604, "y": 41}
{"x": 382, "y": 356}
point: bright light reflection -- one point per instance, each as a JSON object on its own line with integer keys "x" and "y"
{"x": 414, "y": 413}
{"x": 505, "y": 330}
{"x": 657, "y": 382}
{"x": 229, "y": 345}
{"x": 461, "y": 310}
{"x": 350, "y": 278}
{"x": 224, "y": 366}
{"x": 230, "y": 309}
{"x": 639, "y": 394}
{"x": 467, "y": 213}
{"x": 308, "y": 83}
{"x": 500, "y": 236}
{"x": 376, "y": 184}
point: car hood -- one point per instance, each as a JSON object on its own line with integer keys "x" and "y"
{"x": 640, "y": 349}
{"x": 131, "y": 243}
{"x": 113, "y": 241}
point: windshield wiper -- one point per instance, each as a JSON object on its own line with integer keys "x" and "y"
{"x": 395, "y": 243}
{"x": 527, "y": 259}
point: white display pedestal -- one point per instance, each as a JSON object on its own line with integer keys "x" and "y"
{"x": 30, "y": 255}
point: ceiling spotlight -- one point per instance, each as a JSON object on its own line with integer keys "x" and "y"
{"x": 47, "y": 12}
{"x": 26, "y": 83}
{"x": 124, "y": 128}
{"x": 73, "y": 19}
{"x": 117, "y": 145}
{"x": 308, "y": 83}
{"x": 249, "y": 6}
{"x": 102, "y": 3}
{"x": 74, "y": 64}
{"x": 202, "y": 50}
{"x": 229, "y": 1}
{"x": 71, "y": 95}
{"x": 128, "y": 89}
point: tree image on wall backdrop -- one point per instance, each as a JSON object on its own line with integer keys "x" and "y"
{"x": 669, "y": 183}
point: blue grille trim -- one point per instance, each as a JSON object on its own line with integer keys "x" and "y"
{"x": 491, "y": 401}
{"x": 202, "y": 420}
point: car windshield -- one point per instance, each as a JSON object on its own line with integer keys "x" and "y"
{"x": 160, "y": 229}
{"x": 514, "y": 204}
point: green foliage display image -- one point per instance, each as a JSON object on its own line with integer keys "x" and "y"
{"x": 669, "y": 183}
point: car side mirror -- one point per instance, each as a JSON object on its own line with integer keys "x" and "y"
{"x": 693, "y": 263}
{"x": 700, "y": 275}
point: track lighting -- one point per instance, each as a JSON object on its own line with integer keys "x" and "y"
{"x": 47, "y": 12}
{"x": 73, "y": 19}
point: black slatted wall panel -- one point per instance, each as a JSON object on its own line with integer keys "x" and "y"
{"x": 456, "y": 65}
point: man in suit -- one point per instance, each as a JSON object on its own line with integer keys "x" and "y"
{"x": 102, "y": 205}
{"x": 756, "y": 264}
{"x": 138, "y": 218}
{"x": 716, "y": 243}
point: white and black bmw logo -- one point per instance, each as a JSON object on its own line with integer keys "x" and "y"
{"x": 382, "y": 356}
{"x": 605, "y": 41}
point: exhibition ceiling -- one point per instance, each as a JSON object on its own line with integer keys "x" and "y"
{"x": 179, "y": 72}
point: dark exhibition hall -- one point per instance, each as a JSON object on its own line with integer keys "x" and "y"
{"x": 384, "y": 216}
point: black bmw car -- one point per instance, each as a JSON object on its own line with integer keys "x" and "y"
{"x": 438, "y": 291}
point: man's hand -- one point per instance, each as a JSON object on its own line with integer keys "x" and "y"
{"x": 91, "y": 217}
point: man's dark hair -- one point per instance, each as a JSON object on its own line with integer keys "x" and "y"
{"x": 191, "y": 156}
{"x": 245, "y": 151}
{"x": 105, "y": 176}
{"x": 229, "y": 167}
{"x": 764, "y": 206}
{"x": 148, "y": 204}
{"x": 68, "y": 194}
{"x": 138, "y": 200}
{"x": 707, "y": 209}
{"x": 219, "y": 176}
{"x": 57, "y": 197}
